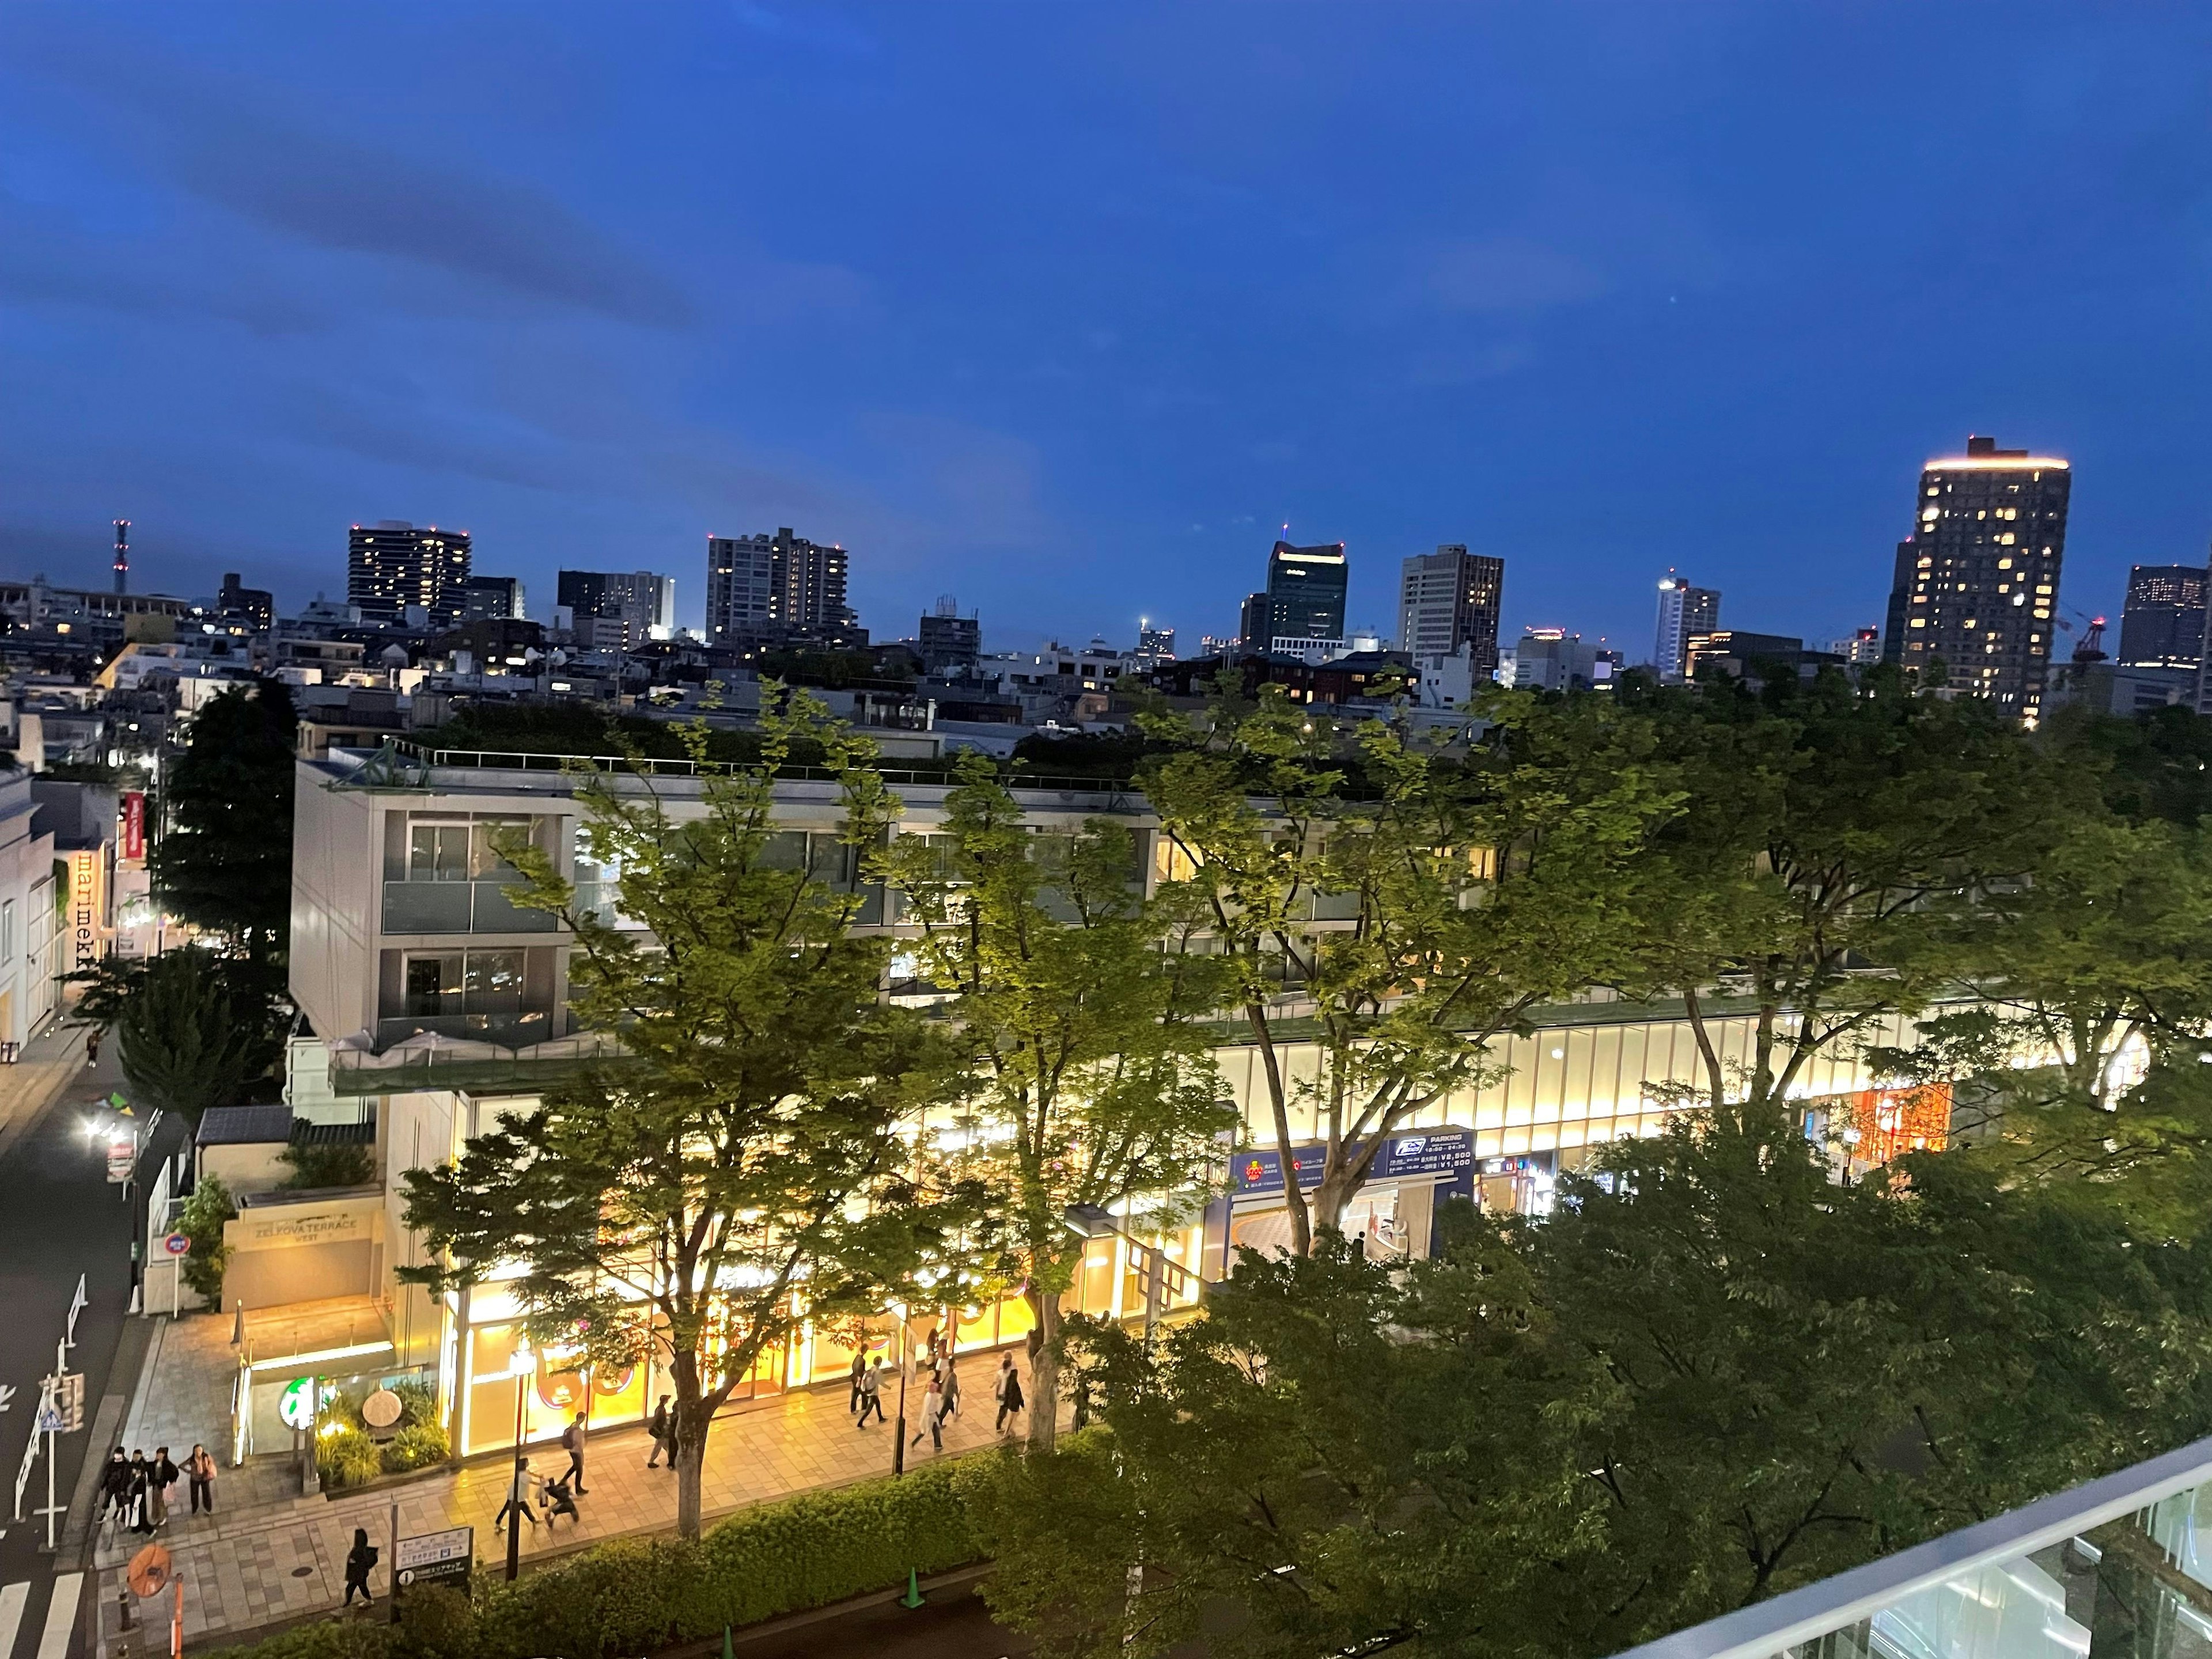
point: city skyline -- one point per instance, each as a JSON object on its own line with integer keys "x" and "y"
{"x": 593, "y": 330}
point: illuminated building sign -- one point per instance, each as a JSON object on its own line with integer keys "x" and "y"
{"x": 85, "y": 873}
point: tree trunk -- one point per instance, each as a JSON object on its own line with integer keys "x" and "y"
{"x": 691, "y": 1419}
{"x": 1044, "y": 1372}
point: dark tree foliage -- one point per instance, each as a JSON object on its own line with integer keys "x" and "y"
{"x": 2157, "y": 765}
{"x": 224, "y": 862}
{"x": 196, "y": 1030}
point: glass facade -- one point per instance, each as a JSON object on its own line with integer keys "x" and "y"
{"x": 443, "y": 873}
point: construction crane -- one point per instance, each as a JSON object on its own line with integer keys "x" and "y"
{"x": 2090, "y": 647}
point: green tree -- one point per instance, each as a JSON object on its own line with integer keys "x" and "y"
{"x": 224, "y": 859}
{"x": 1709, "y": 1377}
{"x": 751, "y": 1147}
{"x": 1395, "y": 904}
{"x": 195, "y": 1030}
{"x": 1079, "y": 1075}
{"x": 1835, "y": 845}
{"x": 201, "y": 1220}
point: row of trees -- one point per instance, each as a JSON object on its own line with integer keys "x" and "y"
{"x": 1815, "y": 858}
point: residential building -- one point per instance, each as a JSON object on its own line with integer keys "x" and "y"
{"x": 1864, "y": 646}
{"x": 1155, "y": 644}
{"x": 1552, "y": 660}
{"x": 491, "y": 598}
{"x": 2123, "y": 689}
{"x": 768, "y": 587}
{"x": 1306, "y": 588}
{"x": 1975, "y": 584}
{"x": 1448, "y": 598}
{"x": 631, "y": 607}
{"x": 951, "y": 643}
{"x": 391, "y": 566}
{"x": 255, "y": 606}
{"x": 1684, "y": 610}
{"x": 2163, "y": 623}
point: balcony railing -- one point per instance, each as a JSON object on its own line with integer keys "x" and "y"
{"x": 461, "y": 906}
{"x": 504, "y": 1030}
{"x": 2121, "y": 1567}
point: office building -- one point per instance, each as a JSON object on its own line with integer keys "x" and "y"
{"x": 1976, "y": 583}
{"x": 1155, "y": 645}
{"x": 617, "y": 609}
{"x": 2163, "y": 625}
{"x": 491, "y": 598}
{"x": 1448, "y": 598}
{"x": 775, "y": 586}
{"x": 1860, "y": 646}
{"x": 255, "y": 606}
{"x": 392, "y": 565}
{"x": 1306, "y": 591}
{"x": 1684, "y": 612}
{"x": 1552, "y": 660}
{"x": 1252, "y": 623}
{"x": 951, "y": 643}
{"x": 1737, "y": 652}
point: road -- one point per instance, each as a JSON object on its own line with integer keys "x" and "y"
{"x": 60, "y": 1217}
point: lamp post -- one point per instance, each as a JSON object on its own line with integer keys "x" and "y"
{"x": 520, "y": 1365}
{"x": 898, "y": 1440}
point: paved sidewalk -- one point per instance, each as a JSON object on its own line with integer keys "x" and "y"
{"x": 246, "y": 1567}
{"x": 51, "y": 1059}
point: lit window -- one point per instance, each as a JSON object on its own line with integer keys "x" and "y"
{"x": 2004, "y": 564}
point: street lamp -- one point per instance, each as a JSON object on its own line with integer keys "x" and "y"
{"x": 898, "y": 1440}
{"x": 520, "y": 1365}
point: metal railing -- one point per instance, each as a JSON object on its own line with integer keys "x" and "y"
{"x": 2010, "y": 1585}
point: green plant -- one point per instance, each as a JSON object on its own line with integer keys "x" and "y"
{"x": 195, "y": 1030}
{"x": 634, "y": 1596}
{"x": 201, "y": 1221}
{"x": 328, "y": 1163}
{"x": 348, "y": 1458}
{"x": 418, "y": 1403}
{"x": 417, "y": 1446}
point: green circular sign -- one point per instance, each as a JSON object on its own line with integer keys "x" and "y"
{"x": 295, "y": 1407}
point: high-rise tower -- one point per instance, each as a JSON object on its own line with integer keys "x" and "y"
{"x": 392, "y": 565}
{"x": 1448, "y": 598}
{"x": 1977, "y": 582}
{"x": 1305, "y": 592}
{"x": 123, "y": 556}
{"x": 1684, "y": 613}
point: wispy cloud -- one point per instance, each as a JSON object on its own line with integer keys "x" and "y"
{"x": 1509, "y": 273}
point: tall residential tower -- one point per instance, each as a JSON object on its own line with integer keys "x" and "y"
{"x": 391, "y": 565}
{"x": 2163, "y": 623}
{"x": 1977, "y": 582}
{"x": 775, "y": 587}
{"x": 1684, "y": 612}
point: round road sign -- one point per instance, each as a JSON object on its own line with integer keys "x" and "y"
{"x": 177, "y": 1244}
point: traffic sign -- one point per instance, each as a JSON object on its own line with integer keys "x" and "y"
{"x": 177, "y": 1244}
{"x": 435, "y": 1558}
{"x": 122, "y": 1159}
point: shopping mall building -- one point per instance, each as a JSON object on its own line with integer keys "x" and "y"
{"x": 437, "y": 1005}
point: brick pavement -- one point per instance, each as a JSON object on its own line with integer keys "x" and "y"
{"x": 256, "y": 1564}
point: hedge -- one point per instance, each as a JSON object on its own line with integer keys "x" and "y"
{"x": 632, "y": 1595}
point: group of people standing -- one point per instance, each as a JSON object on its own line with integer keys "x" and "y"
{"x": 138, "y": 1491}
{"x": 527, "y": 1493}
{"x": 940, "y": 1400}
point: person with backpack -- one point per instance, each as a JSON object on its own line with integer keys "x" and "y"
{"x": 572, "y": 1441}
{"x": 1009, "y": 1392}
{"x": 663, "y": 1436}
{"x": 359, "y": 1561}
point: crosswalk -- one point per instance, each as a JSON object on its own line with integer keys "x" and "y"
{"x": 58, "y": 1626}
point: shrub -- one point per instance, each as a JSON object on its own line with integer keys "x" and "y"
{"x": 201, "y": 1220}
{"x": 418, "y": 1403}
{"x": 633, "y": 1595}
{"x": 417, "y": 1446}
{"x": 348, "y": 1458}
{"x": 328, "y": 1163}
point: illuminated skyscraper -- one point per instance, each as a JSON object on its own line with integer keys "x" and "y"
{"x": 1448, "y": 598}
{"x": 1684, "y": 612}
{"x": 1977, "y": 582}
{"x": 2163, "y": 623}
{"x": 1306, "y": 591}
{"x": 775, "y": 586}
{"x": 391, "y": 565}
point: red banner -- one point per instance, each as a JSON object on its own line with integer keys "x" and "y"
{"x": 134, "y": 824}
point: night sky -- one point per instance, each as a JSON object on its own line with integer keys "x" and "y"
{"x": 1065, "y": 310}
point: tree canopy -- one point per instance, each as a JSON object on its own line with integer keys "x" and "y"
{"x": 224, "y": 861}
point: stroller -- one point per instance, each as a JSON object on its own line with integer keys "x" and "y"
{"x": 559, "y": 1500}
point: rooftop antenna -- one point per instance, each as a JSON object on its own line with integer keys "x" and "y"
{"x": 123, "y": 556}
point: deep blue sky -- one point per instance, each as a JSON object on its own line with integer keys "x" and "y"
{"x": 1066, "y": 309}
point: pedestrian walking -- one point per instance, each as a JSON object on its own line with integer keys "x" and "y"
{"x": 860, "y": 1371}
{"x": 932, "y": 1417}
{"x": 91, "y": 1047}
{"x": 872, "y": 1393}
{"x": 1082, "y": 1398}
{"x": 517, "y": 1498}
{"x": 141, "y": 1493}
{"x": 663, "y": 1440}
{"x": 161, "y": 1482}
{"x": 115, "y": 1486}
{"x": 572, "y": 1441}
{"x": 199, "y": 1470}
{"x": 1008, "y": 1391}
{"x": 359, "y": 1561}
{"x": 951, "y": 1387}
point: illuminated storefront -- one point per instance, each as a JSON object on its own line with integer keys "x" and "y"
{"x": 1392, "y": 1213}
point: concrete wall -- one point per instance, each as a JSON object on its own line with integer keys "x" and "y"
{"x": 250, "y": 1166}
